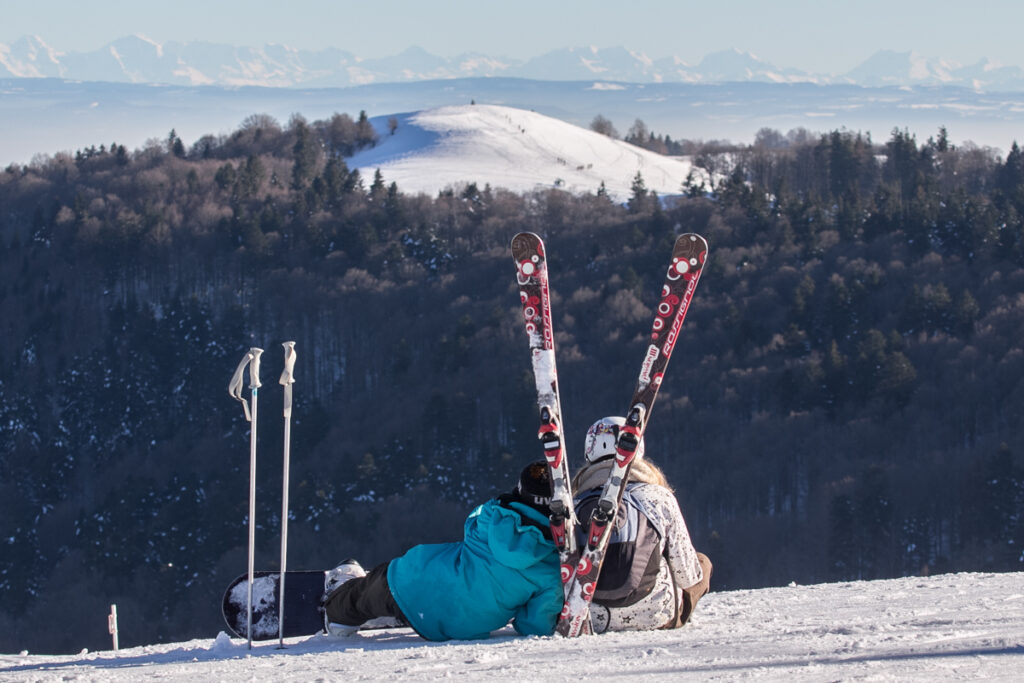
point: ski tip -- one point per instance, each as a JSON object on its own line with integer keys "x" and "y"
{"x": 527, "y": 245}
{"x": 692, "y": 250}
{"x": 690, "y": 238}
{"x": 521, "y": 237}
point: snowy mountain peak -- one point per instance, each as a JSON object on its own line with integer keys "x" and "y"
{"x": 35, "y": 45}
{"x": 736, "y": 65}
{"x": 416, "y": 52}
{"x": 731, "y": 59}
{"x": 30, "y": 57}
{"x": 156, "y": 46}
{"x": 891, "y": 67}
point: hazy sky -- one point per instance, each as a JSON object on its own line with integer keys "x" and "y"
{"x": 828, "y": 36}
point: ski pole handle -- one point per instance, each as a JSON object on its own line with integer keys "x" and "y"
{"x": 235, "y": 387}
{"x": 288, "y": 376}
{"x": 254, "y": 368}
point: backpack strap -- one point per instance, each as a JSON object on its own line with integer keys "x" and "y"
{"x": 634, "y": 553}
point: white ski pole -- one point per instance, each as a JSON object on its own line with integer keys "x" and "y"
{"x": 252, "y": 359}
{"x": 287, "y": 379}
{"x": 112, "y": 624}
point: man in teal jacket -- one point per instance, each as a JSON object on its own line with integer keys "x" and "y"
{"x": 505, "y": 569}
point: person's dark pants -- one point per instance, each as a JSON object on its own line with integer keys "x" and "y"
{"x": 357, "y": 601}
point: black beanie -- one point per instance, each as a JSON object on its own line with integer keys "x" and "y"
{"x": 534, "y": 487}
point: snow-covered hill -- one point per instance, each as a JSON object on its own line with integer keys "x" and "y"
{"x": 949, "y": 627}
{"x": 513, "y": 149}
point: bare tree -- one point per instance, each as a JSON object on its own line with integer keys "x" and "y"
{"x": 769, "y": 138}
{"x": 603, "y": 126}
{"x": 638, "y": 133}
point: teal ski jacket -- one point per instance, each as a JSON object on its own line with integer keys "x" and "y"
{"x": 503, "y": 570}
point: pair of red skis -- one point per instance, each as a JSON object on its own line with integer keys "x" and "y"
{"x": 581, "y": 567}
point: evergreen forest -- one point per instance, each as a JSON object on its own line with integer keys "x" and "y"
{"x": 843, "y": 403}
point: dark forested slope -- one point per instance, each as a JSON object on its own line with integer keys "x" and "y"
{"x": 843, "y": 403}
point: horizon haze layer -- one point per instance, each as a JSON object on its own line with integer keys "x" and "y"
{"x": 137, "y": 59}
{"x": 800, "y": 34}
{"x": 47, "y": 116}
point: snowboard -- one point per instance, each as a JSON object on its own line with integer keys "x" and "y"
{"x": 302, "y": 617}
{"x": 302, "y": 593}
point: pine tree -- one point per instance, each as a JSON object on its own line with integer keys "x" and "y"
{"x": 304, "y": 152}
{"x": 638, "y": 198}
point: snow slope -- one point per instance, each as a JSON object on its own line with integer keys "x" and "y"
{"x": 510, "y": 148}
{"x": 948, "y": 627}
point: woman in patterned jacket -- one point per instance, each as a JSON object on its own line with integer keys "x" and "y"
{"x": 652, "y": 576}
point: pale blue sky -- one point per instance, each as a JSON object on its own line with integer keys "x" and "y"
{"x": 828, "y": 36}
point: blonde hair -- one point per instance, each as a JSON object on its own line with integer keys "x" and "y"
{"x": 593, "y": 474}
{"x": 659, "y": 475}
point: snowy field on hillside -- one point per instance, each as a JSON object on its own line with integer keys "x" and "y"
{"x": 514, "y": 149}
{"x": 948, "y": 627}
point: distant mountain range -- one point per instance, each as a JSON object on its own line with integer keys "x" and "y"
{"x": 135, "y": 59}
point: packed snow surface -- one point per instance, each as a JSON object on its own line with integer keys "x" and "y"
{"x": 948, "y": 627}
{"x": 515, "y": 149}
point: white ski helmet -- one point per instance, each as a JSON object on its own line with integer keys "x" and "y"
{"x": 601, "y": 439}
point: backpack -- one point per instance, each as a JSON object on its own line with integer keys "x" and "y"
{"x": 633, "y": 558}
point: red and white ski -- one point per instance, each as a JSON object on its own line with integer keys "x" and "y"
{"x": 688, "y": 257}
{"x": 532, "y": 278}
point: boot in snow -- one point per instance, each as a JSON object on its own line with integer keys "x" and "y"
{"x": 333, "y": 580}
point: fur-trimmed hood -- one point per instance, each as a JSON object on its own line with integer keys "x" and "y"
{"x": 594, "y": 475}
